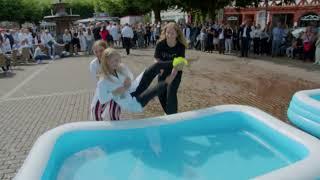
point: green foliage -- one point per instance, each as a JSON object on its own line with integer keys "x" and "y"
{"x": 34, "y": 10}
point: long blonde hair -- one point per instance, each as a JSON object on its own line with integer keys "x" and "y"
{"x": 105, "y": 69}
{"x": 180, "y": 36}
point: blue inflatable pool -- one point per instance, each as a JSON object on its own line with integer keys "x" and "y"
{"x": 304, "y": 111}
{"x": 223, "y": 142}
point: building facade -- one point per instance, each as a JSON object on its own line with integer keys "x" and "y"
{"x": 298, "y": 14}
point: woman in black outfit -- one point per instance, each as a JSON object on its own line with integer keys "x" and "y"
{"x": 172, "y": 44}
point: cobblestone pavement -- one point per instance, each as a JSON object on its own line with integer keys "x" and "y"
{"x": 36, "y": 98}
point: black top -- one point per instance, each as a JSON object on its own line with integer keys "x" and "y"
{"x": 166, "y": 53}
{"x": 96, "y": 33}
{"x": 227, "y": 33}
{"x": 241, "y": 31}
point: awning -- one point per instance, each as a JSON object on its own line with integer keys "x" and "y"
{"x": 232, "y": 18}
{"x": 310, "y": 18}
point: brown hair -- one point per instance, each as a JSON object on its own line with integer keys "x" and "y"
{"x": 180, "y": 36}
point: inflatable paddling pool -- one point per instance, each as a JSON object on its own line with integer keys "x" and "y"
{"x": 304, "y": 111}
{"x": 222, "y": 142}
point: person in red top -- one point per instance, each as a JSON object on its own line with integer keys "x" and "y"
{"x": 104, "y": 33}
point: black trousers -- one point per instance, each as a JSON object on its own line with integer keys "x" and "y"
{"x": 168, "y": 96}
{"x": 127, "y": 44}
{"x": 244, "y": 47}
{"x": 256, "y": 45}
{"x": 264, "y": 46}
{"x": 144, "y": 97}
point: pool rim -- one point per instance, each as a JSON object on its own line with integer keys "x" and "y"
{"x": 305, "y": 97}
{"x": 307, "y": 168}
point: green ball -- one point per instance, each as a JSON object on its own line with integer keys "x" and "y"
{"x": 179, "y": 60}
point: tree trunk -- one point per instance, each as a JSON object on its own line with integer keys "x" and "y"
{"x": 157, "y": 15}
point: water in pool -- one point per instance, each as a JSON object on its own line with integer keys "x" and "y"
{"x": 159, "y": 154}
{"x": 316, "y": 97}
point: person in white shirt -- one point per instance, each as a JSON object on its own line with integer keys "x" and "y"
{"x": 83, "y": 41}
{"x": 89, "y": 38}
{"x": 116, "y": 89}
{"x": 98, "y": 48}
{"x": 49, "y": 43}
{"x": 30, "y": 39}
{"x": 114, "y": 33}
{"x": 203, "y": 39}
{"x": 67, "y": 40}
{"x": 127, "y": 34}
{"x": 186, "y": 33}
{"x": 221, "y": 40}
{"x": 39, "y": 55}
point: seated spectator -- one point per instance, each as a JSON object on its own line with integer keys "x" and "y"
{"x": 289, "y": 50}
{"x": 298, "y": 49}
{"x": 5, "y": 68}
{"x": 39, "y": 55}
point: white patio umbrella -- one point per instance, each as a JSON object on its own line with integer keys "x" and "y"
{"x": 296, "y": 32}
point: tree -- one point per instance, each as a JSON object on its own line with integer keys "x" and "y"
{"x": 204, "y": 7}
{"x": 11, "y": 10}
{"x": 133, "y": 7}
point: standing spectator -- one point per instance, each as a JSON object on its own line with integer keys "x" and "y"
{"x": 257, "y": 39}
{"x": 127, "y": 34}
{"x": 203, "y": 39}
{"x": 147, "y": 35}
{"x": 221, "y": 40}
{"x": 76, "y": 43}
{"x": 89, "y": 39}
{"x": 264, "y": 41}
{"x": 6, "y": 45}
{"x": 216, "y": 39}
{"x": 83, "y": 41}
{"x": 66, "y": 38}
{"x": 317, "y": 61}
{"x": 96, "y": 31}
{"x": 235, "y": 39}
{"x": 157, "y": 31}
{"x": 228, "y": 41}
{"x": 186, "y": 33}
{"x": 308, "y": 44}
{"x": 140, "y": 36}
{"x": 209, "y": 42}
{"x": 277, "y": 36}
{"x": 9, "y": 36}
{"x": 153, "y": 37}
{"x": 245, "y": 31}
{"x": 114, "y": 33}
{"x": 104, "y": 33}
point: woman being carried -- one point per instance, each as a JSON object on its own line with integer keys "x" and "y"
{"x": 115, "y": 91}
